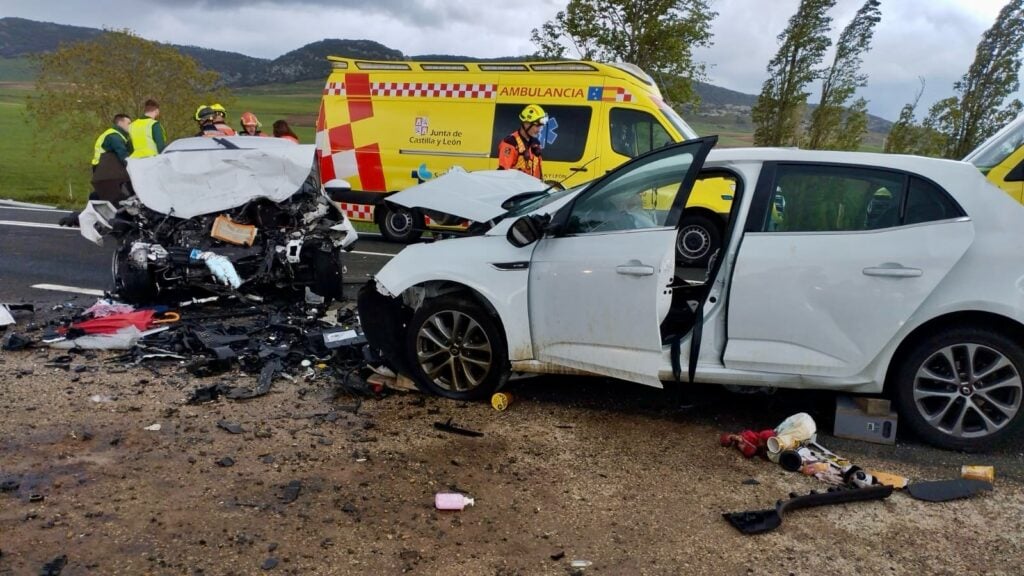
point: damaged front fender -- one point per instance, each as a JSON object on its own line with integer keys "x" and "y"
{"x": 384, "y": 320}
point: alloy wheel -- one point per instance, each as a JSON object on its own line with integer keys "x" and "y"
{"x": 693, "y": 242}
{"x": 454, "y": 351}
{"x": 968, "y": 390}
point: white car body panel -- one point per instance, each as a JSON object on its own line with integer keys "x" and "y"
{"x": 824, "y": 304}
{"x": 622, "y": 274}
{"x": 475, "y": 196}
{"x": 197, "y": 179}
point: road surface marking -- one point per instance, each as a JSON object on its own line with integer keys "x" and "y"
{"x": 72, "y": 289}
{"x": 36, "y": 225}
{"x": 3, "y": 207}
{"x": 384, "y": 254}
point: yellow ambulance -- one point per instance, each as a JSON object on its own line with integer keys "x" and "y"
{"x": 1001, "y": 159}
{"x": 384, "y": 126}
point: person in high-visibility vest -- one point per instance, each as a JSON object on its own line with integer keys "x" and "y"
{"x": 250, "y": 125}
{"x": 148, "y": 136}
{"x": 521, "y": 150}
{"x": 114, "y": 140}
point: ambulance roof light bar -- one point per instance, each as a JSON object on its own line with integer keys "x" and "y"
{"x": 504, "y": 68}
{"x": 445, "y": 67}
{"x": 564, "y": 67}
{"x": 383, "y": 66}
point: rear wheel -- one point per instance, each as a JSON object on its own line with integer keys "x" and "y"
{"x": 398, "y": 224}
{"x": 456, "y": 349}
{"x": 699, "y": 237}
{"x": 962, "y": 388}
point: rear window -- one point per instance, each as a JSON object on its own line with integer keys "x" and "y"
{"x": 564, "y": 137}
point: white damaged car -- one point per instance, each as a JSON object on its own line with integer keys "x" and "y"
{"x": 854, "y": 272}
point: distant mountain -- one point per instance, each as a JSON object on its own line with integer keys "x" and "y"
{"x": 21, "y": 37}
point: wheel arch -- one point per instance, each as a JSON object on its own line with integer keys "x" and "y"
{"x": 988, "y": 320}
{"x": 705, "y": 211}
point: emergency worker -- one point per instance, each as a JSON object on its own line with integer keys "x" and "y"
{"x": 211, "y": 122}
{"x": 250, "y": 125}
{"x": 521, "y": 149}
{"x": 115, "y": 141}
{"x": 147, "y": 134}
{"x": 283, "y": 130}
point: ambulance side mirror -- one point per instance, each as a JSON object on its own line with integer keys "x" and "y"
{"x": 527, "y": 230}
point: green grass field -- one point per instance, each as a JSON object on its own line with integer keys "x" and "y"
{"x": 27, "y": 177}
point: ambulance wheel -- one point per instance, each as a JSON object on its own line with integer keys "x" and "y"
{"x": 399, "y": 225}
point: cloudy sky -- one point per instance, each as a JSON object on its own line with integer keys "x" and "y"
{"x": 930, "y": 38}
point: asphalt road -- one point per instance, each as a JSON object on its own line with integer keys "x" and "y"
{"x": 35, "y": 251}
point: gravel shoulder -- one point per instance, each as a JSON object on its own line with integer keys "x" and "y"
{"x": 586, "y": 469}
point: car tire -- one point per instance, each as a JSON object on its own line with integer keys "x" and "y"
{"x": 457, "y": 349}
{"x": 961, "y": 388}
{"x": 699, "y": 237}
{"x": 398, "y": 224}
{"x": 327, "y": 274}
{"x": 130, "y": 283}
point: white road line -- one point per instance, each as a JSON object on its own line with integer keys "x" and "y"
{"x": 36, "y": 225}
{"x": 2, "y": 207}
{"x": 72, "y": 289}
{"x": 385, "y": 255}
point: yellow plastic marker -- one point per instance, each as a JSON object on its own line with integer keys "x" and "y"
{"x": 501, "y": 400}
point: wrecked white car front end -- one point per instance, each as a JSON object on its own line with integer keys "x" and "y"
{"x": 220, "y": 213}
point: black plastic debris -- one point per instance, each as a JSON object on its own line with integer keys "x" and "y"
{"x": 290, "y": 493}
{"x": 9, "y": 485}
{"x": 946, "y": 490}
{"x": 269, "y": 563}
{"x": 453, "y": 429}
{"x": 230, "y": 426}
{"x": 761, "y": 521}
{"x": 34, "y": 498}
{"x": 15, "y": 342}
{"x": 226, "y": 462}
{"x": 54, "y": 567}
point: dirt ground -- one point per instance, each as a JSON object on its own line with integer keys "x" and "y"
{"x": 575, "y": 469}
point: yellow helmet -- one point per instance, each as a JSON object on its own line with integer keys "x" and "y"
{"x": 533, "y": 114}
{"x": 204, "y": 112}
{"x": 218, "y": 108}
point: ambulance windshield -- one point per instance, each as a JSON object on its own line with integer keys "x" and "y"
{"x": 998, "y": 147}
{"x": 677, "y": 121}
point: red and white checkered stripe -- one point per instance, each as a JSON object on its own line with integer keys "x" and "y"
{"x": 623, "y": 95}
{"x": 357, "y": 211}
{"x": 434, "y": 90}
{"x": 334, "y": 89}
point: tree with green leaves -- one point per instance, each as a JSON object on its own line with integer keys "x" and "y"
{"x": 978, "y": 109}
{"x": 780, "y": 106}
{"x": 659, "y": 36}
{"x": 81, "y": 86}
{"x": 832, "y": 120}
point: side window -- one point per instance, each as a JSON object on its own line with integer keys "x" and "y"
{"x": 635, "y": 132}
{"x": 834, "y": 199}
{"x": 639, "y": 197}
{"x": 926, "y": 202}
{"x": 564, "y": 137}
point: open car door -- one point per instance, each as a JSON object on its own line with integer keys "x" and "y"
{"x": 598, "y": 288}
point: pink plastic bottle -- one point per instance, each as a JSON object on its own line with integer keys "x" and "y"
{"x": 451, "y": 501}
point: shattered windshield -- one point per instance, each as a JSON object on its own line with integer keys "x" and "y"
{"x": 534, "y": 202}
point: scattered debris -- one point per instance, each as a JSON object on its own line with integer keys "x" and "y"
{"x": 291, "y": 492}
{"x": 100, "y": 399}
{"x": 452, "y": 501}
{"x": 867, "y": 419}
{"x": 761, "y": 521}
{"x": 946, "y": 490}
{"x": 453, "y": 429}
{"x": 226, "y": 462}
{"x": 269, "y": 563}
{"x": 153, "y": 427}
{"x": 983, "y": 473}
{"x": 54, "y": 567}
{"x": 558, "y": 555}
{"x": 14, "y": 342}
{"x": 9, "y": 485}
{"x": 230, "y": 427}
{"x": 501, "y": 400}
{"x": 33, "y": 498}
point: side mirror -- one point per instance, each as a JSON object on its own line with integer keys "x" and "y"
{"x": 334, "y": 188}
{"x": 527, "y": 230}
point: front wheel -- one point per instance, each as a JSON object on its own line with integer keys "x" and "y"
{"x": 457, "y": 349}
{"x": 699, "y": 237}
{"x": 961, "y": 388}
{"x": 399, "y": 225}
{"x": 131, "y": 283}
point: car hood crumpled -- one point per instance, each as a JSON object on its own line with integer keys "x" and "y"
{"x": 476, "y": 196}
{"x": 191, "y": 183}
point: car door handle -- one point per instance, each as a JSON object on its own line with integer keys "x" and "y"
{"x": 893, "y": 270}
{"x": 578, "y": 169}
{"x": 635, "y": 268}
